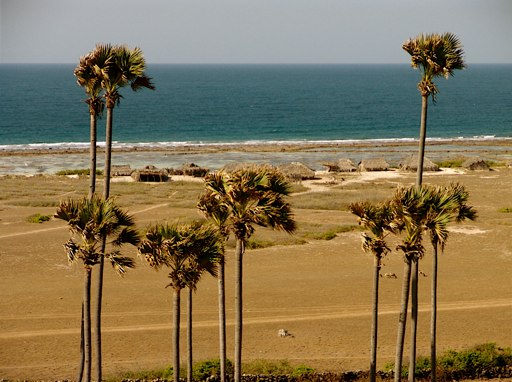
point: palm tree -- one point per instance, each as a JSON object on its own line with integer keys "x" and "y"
{"x": 188, "y": 251}
{"x": 434, "y": 55}
{"x": 218, "y": 214}
{"x": 446, "y": 205}
{"x": 409, "y": 209}
{"x": 378, "y": 219}
{"x": 90, "y": 220}
{"x": 126, "y": 67}
{"x": 89, "y": 76}
{"x": 250, "y": 196}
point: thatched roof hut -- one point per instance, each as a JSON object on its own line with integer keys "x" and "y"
{"x": 411, "y": 164}
{"x": 476, "y": 164}
{"x": 296, "y": 171}
{"x": 374, "y": 164}
{"x": 150, "y": 174}
{"x": 346, "y": 165}
{"x": 192, "y": 169}
{"x": 121, "y": 170}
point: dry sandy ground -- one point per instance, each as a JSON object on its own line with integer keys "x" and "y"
{"x": 320, "y": 292}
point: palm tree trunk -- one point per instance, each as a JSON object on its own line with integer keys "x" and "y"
{"x": 99, "y": 295}
{"x": 239, "y": 252}
{"x": 108, "y": 152}
{"x": 414, "y": 319}
{"x": 222, "y": 320}
{"x": 81, "y": 365}
{"x": 92, "y": 156}
{"x": 375, "y": 317}
{"x": 423, "y": 134}
{"x": 402, "y": 321}
{"x": 92, "y": 189}
{"x": 433, "y": 317}
{"x": 189, "y": 336}
{"x": 87, "y": 324}
{"x": 176, "y": 335}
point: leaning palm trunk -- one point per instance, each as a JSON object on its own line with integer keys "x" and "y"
{"x": 86, "y": 314}
{"x": 222, "y": 320}
{"x": 433, "y": 317}
{"x": 375, "y": 317}
{"x": 176, "y": 336}
{"x": 414, "y": 319}
{"x": 189, "y": 336}
{"x": 239, "y": 252}
{"x": 402, "y": 320}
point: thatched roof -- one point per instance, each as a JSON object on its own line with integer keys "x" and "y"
{"x": 192, "y": 169}
{"x": 346, "y": 165}
{"x": 375, "y": 164}
{"x": 121, "y": 170}
{"x": 411, "y": 164}
{"x": 476, "y": 164}
{"x": 150, "y": 174}
{"x": 296, "y": 171}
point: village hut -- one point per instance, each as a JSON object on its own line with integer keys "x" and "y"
{"x": 150, "y": 174}
{"x": 411, "y": 164}
{"x": 121, "y": 170}
{"x": 296, "y": 171}
{"x": 192, "y": 169}
{"x": 476, "y": 164}
{"x": 346, "y": 165}
{"x": 374, "y": 164}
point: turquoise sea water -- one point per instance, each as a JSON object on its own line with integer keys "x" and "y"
{"x": 42, "y": 104}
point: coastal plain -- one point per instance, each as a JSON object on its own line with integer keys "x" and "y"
{"x": 318, "y": 290}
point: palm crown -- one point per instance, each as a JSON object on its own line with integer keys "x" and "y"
{"x": 434, "y": 55}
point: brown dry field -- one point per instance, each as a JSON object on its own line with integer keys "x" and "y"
{"x": 320, "y": 290}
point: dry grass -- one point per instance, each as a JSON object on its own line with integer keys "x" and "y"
{"x": 319, "y": 291}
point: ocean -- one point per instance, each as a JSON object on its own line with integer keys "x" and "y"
{"x": 202, "y": 104}
{"x": 42, "y": 107}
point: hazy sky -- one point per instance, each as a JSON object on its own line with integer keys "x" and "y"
{"x": 251, "y": 31}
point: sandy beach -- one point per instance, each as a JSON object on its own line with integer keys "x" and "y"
{"x": 318, "y": 290}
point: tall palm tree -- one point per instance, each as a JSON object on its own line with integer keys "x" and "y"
{"x": 126, "y": 67}
{"x": 88, "y": 74}
{"x": 435, "y": 55}
{"x": 251, "y": 196}
{"x": 218, "y": 214}
{"x": 90, "y": 220}
{"x": 446, "y": 205}
{"x": 409, "y": 209}
{"x": 188, "y": 251}
{"x": 378, "y": 219}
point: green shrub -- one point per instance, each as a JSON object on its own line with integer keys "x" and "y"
{"x": 38, "y": 218}
{"x": 205, "y": 369}
{"x": 505, "y": 210}
{"x": 451, "y": 163}
{"x": 265, "y": 367}
{"x": 302, "y": 370}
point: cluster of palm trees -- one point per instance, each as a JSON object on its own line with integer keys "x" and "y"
{"x": 418, "y": 209}
{"x": 233, "y": 203}
{"x": 102, "y": 73}
{"x": 410, "y": 214}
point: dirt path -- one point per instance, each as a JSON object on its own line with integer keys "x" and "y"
{"x": 272, "y": 315}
